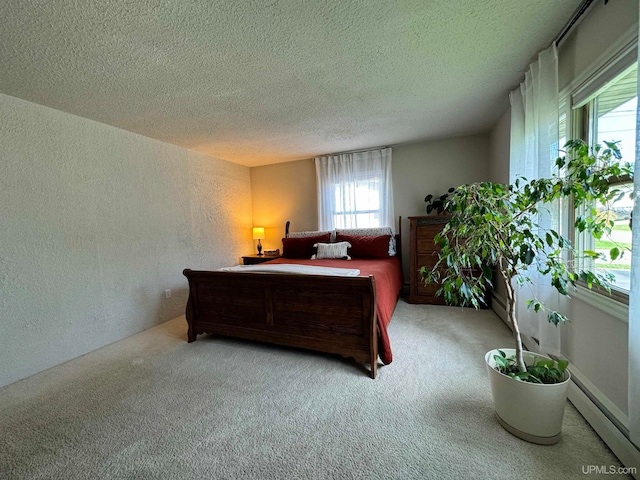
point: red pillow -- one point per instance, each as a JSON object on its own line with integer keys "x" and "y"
{"x": 366, "y": 247}
{"x": 302, "y": 247}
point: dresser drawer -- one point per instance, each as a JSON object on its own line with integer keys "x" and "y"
{"x": 427, "y": 259}
{"x": 425, "y": 238}
{"x": 424, "y": 253}
{"x": 430, "y": 289}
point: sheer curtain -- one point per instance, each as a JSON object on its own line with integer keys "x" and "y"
{"x": 355, "y": 190}
{"x": 534, "y": 148}
{"x": 634, "y": 303}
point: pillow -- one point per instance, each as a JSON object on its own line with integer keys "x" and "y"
{"x": 366, "y": 247}
{"x": 332, "y": 250}
{"x": 302, "y": 247}
{"x": 372, "y": 232}
{"x": 307, "y": 234}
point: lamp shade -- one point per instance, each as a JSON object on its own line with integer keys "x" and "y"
{"x": 258, "y": 233}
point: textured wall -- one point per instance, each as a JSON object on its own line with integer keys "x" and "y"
{"x": 284, "y": 192}
{"x": 96, "y": 224}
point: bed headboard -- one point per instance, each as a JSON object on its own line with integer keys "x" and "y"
{"x": 398, "y": 236}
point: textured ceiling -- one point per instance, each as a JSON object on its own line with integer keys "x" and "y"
{"x": 265, "y": 81}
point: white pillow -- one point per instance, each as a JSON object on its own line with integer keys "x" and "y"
{"x": 372, "y": 232}
{"x": 331, "y": 250}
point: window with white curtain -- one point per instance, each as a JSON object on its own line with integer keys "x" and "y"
{"x": 605, "y": 110}
{"x": 355, "y": 190}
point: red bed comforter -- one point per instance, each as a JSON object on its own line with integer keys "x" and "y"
{"x": 388, "y": 275}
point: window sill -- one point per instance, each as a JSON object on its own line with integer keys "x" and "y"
{"x": 607, "y": 304}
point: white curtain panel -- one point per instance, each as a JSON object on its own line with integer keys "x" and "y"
{"x": 355, "y": 190}
{"x": 534, "y": 148}
{"x": 634, "y": 304}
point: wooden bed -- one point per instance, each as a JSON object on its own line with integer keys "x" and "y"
{"x": 331, "y": 314}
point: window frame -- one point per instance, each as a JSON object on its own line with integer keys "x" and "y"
{"x": 577, "y": 105}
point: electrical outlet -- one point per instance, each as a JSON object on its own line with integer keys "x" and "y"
{"x": 167, "y": 293}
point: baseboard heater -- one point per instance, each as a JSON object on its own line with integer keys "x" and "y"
{"x": 610, "y": 428}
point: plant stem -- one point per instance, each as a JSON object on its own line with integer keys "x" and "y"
{"x": 511, "y": 305}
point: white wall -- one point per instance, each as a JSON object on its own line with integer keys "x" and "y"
{"x": 432, "y": 167}
{"x": 499, "y": 146}
{"x": 593, "y": 331}
{"x": 96, "y": 223}
{"x": 499, "y": 152}
{"x": 596, "y": 33}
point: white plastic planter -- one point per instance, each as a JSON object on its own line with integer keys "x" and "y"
{"x": 529, "y": 411}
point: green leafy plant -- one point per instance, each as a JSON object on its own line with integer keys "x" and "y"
{"x": 542, "y": 371}
{"x": 501, "y": 227}
{"x": 437, "y": 203}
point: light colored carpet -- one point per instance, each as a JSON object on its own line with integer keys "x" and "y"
{"x": 155, "y": 407}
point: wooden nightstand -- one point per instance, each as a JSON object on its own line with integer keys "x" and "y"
{"x": 256, "y": 259}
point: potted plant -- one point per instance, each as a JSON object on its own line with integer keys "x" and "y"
{"x": 496, "y": 227}
{"x": 437, "y": 203}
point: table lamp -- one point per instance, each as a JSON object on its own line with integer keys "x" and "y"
{"x": 258, "y": 234}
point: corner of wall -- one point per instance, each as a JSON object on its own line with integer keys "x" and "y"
{"x": 499, "y": 149}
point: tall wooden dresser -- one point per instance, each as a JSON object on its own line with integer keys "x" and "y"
{"x": 424, "y": 252}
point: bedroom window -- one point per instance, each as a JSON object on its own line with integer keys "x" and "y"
{"x": 355, "y": 190}
{"x": 609, "y": 114}
{"x": 357, "y": 203}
